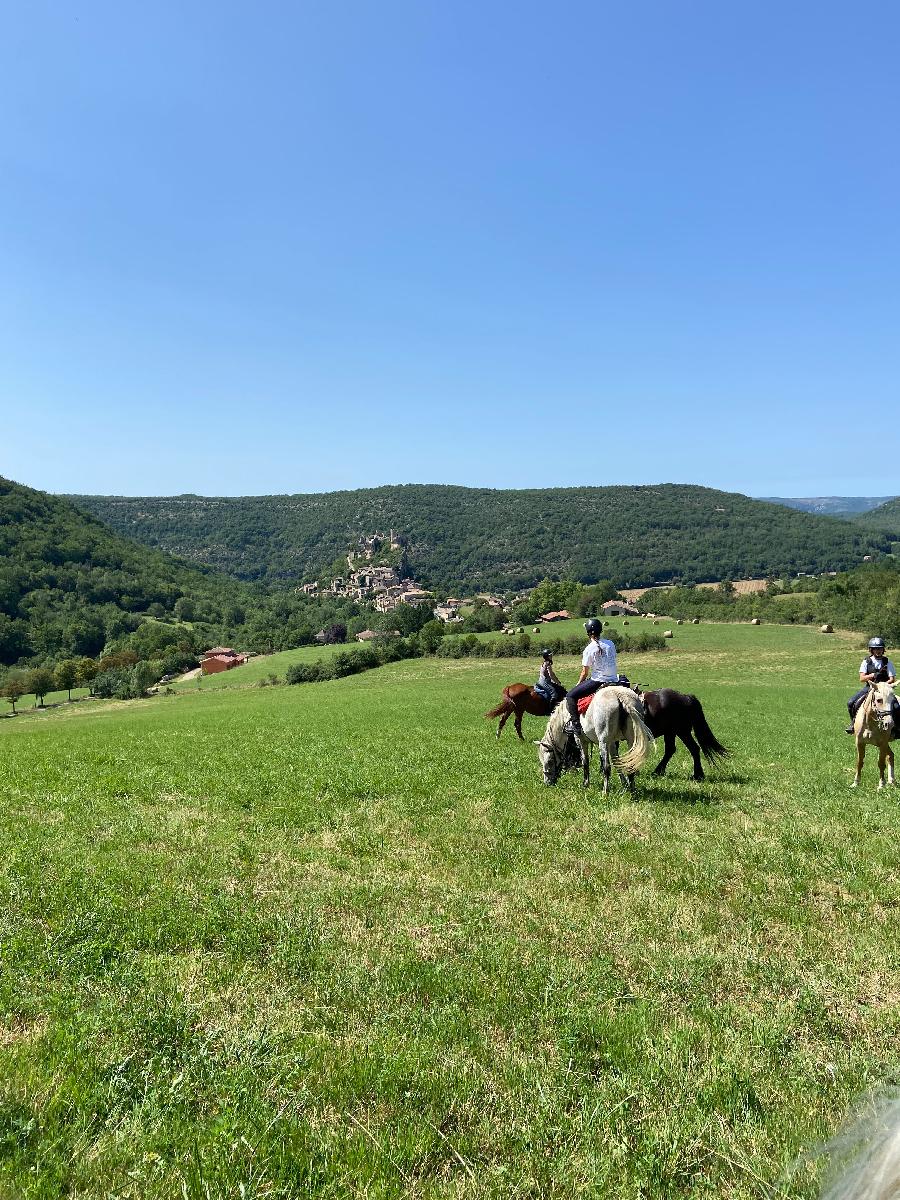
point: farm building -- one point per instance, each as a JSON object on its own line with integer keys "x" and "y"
{"x": 220, "y": 658}
{"x": 562, "y": 615}
{"x": 618, "y": 608}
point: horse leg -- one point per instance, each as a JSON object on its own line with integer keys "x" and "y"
{"x": 890, "y": 764}
{"x": 669, "y": 743}
{"x": 607, "y": 768}
{"x": 503, "y": 721}
{"x": 695, "y": 755}
{"x": 518, "y": 724}
{"x": 882, "y": 759}
{"x": 860, "y": 755}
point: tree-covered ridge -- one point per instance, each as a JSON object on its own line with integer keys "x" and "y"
{"x": 69, "y": 585}
{"x": 477, "y": 538}
{"x": 885, "y": 518}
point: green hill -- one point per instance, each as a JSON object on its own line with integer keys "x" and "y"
{"x": 69, "y": 585}
{"x": 475, "y": 538}
{"x": 885, "y": 519}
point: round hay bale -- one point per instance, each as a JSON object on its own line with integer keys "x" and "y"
{"x": 625, "y": 622}
{"x": 825, "y": 629}
{"x": 756, "y": 621}
{"x": 668, "y": 633}
{"x": 656, "y": 622}
{"x": 695, "y": 621}
{"x": 535, "y": 630}
{"x": 679, "y": 621}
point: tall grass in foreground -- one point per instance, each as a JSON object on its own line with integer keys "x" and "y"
{"x": 339, "y": 941}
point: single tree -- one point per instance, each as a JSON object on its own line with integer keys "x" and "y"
{"x": 66, "y": 675}
{"x": 85, "y": 673}
{"x": 40, "y": 680}
{"x": 13, "y": 688}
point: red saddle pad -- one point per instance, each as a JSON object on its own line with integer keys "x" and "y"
{"x": 584, "y": 703}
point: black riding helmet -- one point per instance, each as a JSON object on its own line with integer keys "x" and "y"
{"x": 876, "y": 643}
{"x": 593, "y": 626}
{"x": 546, "y": 654}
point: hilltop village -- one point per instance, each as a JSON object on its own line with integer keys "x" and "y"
{"x": 378, "y": 573}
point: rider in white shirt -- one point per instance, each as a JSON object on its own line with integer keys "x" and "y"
{"x": 598, "y": 669}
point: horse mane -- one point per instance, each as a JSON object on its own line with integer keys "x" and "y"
{"x": 558, "y": 718}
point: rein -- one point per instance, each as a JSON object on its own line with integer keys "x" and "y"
{"x": 883, "y": 718}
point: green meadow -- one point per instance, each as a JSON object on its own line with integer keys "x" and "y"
{"x": 336, "y": 940}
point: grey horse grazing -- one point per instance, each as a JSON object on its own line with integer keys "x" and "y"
{"x": 615, "y": 715}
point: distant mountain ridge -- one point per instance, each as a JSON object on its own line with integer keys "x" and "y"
{"x": 832, "y": 506}
{"x": 886, "y": 517}
{"x": 478, "y": 538}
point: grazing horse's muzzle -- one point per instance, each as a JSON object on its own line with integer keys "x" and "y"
{"x": 551, "y": 761}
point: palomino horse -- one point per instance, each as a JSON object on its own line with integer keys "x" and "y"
{"x": 614, "y": 715}
{"x": 874, "y": 725}
{"x": 518, "y": 699}
{"x": 670, "y": 714}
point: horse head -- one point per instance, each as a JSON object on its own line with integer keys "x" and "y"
{"x": 882, "y": 706}
{"x": 555, "y": 749}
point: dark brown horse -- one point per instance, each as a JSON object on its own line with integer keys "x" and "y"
{"x": 672, "y": 715}
{"x": 518, "y": 699}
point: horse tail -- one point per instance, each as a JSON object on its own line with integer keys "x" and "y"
{"x": 642, "y": 739}
{"x": 710, "y": 745}
{"x": 505, "y": 706}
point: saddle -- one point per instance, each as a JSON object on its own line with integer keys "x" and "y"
{"x": 584, "y": 702}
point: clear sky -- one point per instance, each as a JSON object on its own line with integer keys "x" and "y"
{"x": 305, "y": 246}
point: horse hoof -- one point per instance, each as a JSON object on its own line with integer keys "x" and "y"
{"x": 855, "y": 783}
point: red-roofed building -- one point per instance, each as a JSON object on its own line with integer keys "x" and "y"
{"x": 562, "y": 615}
{"x": 220, "y": 658}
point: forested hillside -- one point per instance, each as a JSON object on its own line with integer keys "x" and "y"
{"x": 480, "y": 538}
{"x": 885, "y": 518}
{"x": 70, "y": 587}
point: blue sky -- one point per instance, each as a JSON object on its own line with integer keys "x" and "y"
{"x": 298, "y": 247}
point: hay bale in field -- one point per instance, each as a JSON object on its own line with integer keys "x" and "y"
{"x": 536, "y": 630}
{"x": 679, "y": 621}
{"x": 625, "y": 622}
{"x": 656, "y": 622}
{"x": 668, "y": 633}
{"x": 695, "y": 621}
{"x": 756, "y": 621}
{"x": 825, "y": 629}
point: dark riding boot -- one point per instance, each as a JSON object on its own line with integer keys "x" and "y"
{"x": 573, "y": 726}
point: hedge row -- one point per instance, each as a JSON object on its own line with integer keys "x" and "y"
{"x": 385, "y": 650}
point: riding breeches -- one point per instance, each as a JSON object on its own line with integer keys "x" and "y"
{"x": 582, "y": 689}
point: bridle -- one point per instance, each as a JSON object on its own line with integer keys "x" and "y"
{"x": 883, "y": 716}
{"x": 562, "y": 758}
{"x": 558, "y": 757}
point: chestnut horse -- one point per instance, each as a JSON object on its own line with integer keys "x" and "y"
{"x": 518, "y": 699}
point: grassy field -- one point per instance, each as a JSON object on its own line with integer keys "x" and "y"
{"x": 259, "y": 668}
{"x": 336, "y": 940}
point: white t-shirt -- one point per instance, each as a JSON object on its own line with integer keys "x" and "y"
{"x": 600, "y": 656}
{"x": 868, "y": 665}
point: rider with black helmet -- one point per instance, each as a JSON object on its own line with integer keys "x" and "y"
{"x": 876, "y": 667}
{"x": 548, "y": 685}
{"x": 598, "y": 669}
